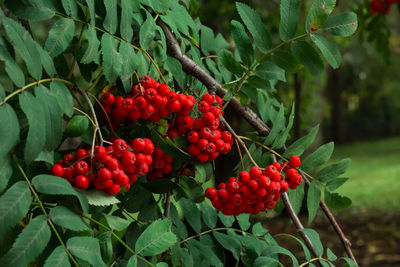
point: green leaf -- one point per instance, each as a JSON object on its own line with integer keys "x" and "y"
{"x": 86, "y": 248}
{"x": 209, "y": 215}
{"x": 252, "y": 244}
{"x": 329, "y": 50}
{"x": 64, "y": 97}
{"x": 203, "y": 171}
{"x": 349, "y": 262}
{"x": 314, "y": 237}
{"x": 132, "y": 261}
{"x": 168, "y": 147}
{"x": 24, "y": 45}
{"x": 205, "y": 251}
{"x": 32, "y": 10}
{"x": 243, "y": 220}
{"x": 52, "y": 185}
{"x": 334, "y": 184}
{"x": 278, "y": 125}
{"x": 336, "y": 201}
{"x": 63, "y": 216}
{"x": 229, "y": 243}
{"x": 53, "y": 117}
{"x": 229, "y": 62}
{"x": 269, "y": 71}
{"x": 179, "y": 227}
{"x": 264, "y": 261}
{"x": 14, "y": 204}
{"x": 116, "y": 222}
{"x": 286, "y": 61}
{"x": 243, "y": 43}
{"x": 34, "y": 111}
{"x": 70, "y": 8}
{"x": 296, "y": 197}
{"x": 99, "y": 198}
{"x": 318, "y": 157}
{"x": 271, "y": 250}
{"x": 175, "y": 68}
{"x": 281, "y": 139}
{"x": 308, "y": 56}
{"x": 331, "y": 256}
{"x": 77, "y": 126}
{"x": 46, "y": 60}
{"x": 255, "y": 26}
{"x": 127, "y": 9}
{"x": 58, "y": 258}
{"x": 227, "y": 220}
{"x": 29, "y": 244}
{"x": 112, "y": 62}
{"x": 313, "y": 199}
{"x": 129, "y": 64}
{"x": 147, "y": 32}
{"x": 9, "y": 136}
{"x": 14, "y": 72}
{"x": 6, "y": 171}
{"x": 258, "y": 229}
{"x": 289, "y": 18}
{"x": 92, "y": 12}
{"x": 300, "y": 145}
{"x": 206, "y": 40}
{"x": 319, "y": 12}
{"x": 343, "y": 24}
{"x": 91, "y": 53}
{"x": 156, "y": 239}
{"x": 60, "y": 36}
{"x": 305, "y": 248}
{"x": 333, "y": 171}
{"x": 110, "y": 22}
{"x": 191, "y": 213}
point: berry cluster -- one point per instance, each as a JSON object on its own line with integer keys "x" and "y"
{"x": 205, "y": 134}
{"x": 162, "y": 165}
{"x": 255, "y": 191}
{"x": 149, "y": 100}
{"x": 382, "y": 6}
{"x": 110, "y": 169}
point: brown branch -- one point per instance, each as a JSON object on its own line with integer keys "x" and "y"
{"x": 191, "y": 68}
{"x": 167, "y": 205}
{"x": 345, "y": 242}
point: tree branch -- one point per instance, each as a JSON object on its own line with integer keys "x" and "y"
{"x": 191, "y": 68}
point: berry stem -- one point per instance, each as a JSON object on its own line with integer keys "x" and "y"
{"x": 36, "y": 196}
{"x": 222, "y": 119}
{"x": 240, "y": 154}
{"x": 167, "y": 204}
{"x": 86, "y": 115}
{"x": 314, "y": 259}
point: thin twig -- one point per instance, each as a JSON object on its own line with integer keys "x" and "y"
{"x": 240, "y": 154}
{"x": 85, "y": 95}
{"x": 167, "y": 204}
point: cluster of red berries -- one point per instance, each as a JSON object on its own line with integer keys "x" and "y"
{"x": 111, "y": 168}
{"x": 162, "y": 165}
{"x": 149, "y": 100}
{"x": 255, "y": 191}
{"x": 205, "y": 134}
{"x": 382, "y": 6}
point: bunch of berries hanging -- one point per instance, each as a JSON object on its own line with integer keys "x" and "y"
{"x": 256, "y": 190}
{"x": 149, "y": 100}
{"x": 111, "y": 168}
{"x": 162, "y": 165}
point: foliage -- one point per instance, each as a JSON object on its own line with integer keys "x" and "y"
{"x": 92, "y": 44}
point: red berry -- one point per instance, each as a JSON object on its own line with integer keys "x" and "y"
{"x": 205, "y": 133}
{"x": 193, "y": 137}
{"x": 203, "y": 106}
{"x": 202, "y": 144}
{"x": 128, "y": 158}
{"x": 193, "y": 150}
{"x": 99, "y": 152}
{"x": 81, "y": 182}
{"x": 119, "y": 146}
{"x": 107, "y": 99}
{"x": 208, "y": 118}
{"x": 114, "y": 189}
{"x": 244, "y": 177}
{"x": 255, "y": 172}
{"x": 81, "y": 153}
{"x": 223, "y": 194}
{"x": 210, "y": 193}
{"x": 149, "y": 146}
{"x": 138, "y": 145}
{"x": 163, "y": 89}
{"x": 81, "y": 167}
{"x": 68, "y": 159}
{"x": 253, "y": 185}
{"x": 208, "y": 98}
{"x": 104, "y": 174}
{"x": 227, "y": 137}
{"x": 264, "y": 181}
{"x": 294, "y": 162}
{"x": 112, "y": 164}
{"x": 57, "y": 170}
{"x": 233, "y": 187}
{"x": 202, "y": 157}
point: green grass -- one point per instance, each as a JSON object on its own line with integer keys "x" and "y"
{"x": 374, "y": 173}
